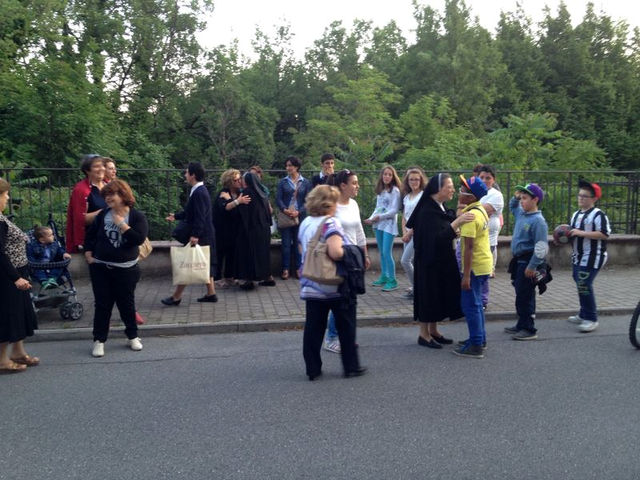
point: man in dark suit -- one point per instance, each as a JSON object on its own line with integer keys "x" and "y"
{"x": 197, "y": 215}
{"x": 328, "y": 162}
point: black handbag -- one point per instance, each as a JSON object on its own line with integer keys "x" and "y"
{"x": 182, "y": 232}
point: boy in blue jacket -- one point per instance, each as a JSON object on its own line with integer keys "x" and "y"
{"x": 529, "y": 246}
{"x": 44, "y": 249}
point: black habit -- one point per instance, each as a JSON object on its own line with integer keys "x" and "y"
{"x": 436, "y": 293}
{"x": 253, "y": 261}
{"x": 226, "y": 223}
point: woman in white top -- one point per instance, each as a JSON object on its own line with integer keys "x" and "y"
{"x": 385, "y": 224}
{"x": 412, "y": 186}
{"x": 493, "y": 203}
{"x": 348, "y": 213}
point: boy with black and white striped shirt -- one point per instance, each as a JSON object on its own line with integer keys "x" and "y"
{"x": 590, "y": 230}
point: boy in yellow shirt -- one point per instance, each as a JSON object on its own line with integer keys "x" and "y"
{"x": 477, "y": 265}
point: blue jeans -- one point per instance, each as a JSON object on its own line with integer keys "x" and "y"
{"x": 584, "y": 277}
{"x": 385, "y": 245}
{"x": 471, "y": 303}
{"x": 525, "y": 299}
{"x": 332, "y": 331}
{"x": 290, "y": 242}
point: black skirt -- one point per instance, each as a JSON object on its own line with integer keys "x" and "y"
{"x": 17, "y": 318}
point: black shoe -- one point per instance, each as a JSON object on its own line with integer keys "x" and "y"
{"x": 267, "y": 283}
{"x": 315, "y": 376}
{"x": 428, "y": 343}
{"x": 170, "y": 302}
{"x": 358, "y": 372}
{"x": 247, "y": 286}
{"x": 511, "y": 330}
{"x": 469, "y": 351}
{"x": 442, "y": 340}
{"x": 209, "y": 298}
{"x": 465, "y": 342}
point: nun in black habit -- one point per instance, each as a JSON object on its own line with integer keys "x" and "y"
{"x": 436, "y": 274}
{"x": 253, "y": 262}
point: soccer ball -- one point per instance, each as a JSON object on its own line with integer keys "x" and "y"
{"x": 561, "y": 234}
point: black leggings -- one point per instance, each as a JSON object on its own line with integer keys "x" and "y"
{"x": 114, "y": 285}
{"x": 315, "y": 325}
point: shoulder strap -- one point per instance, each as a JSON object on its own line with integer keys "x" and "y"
{"x": 318, "y": 234}
{"x": 482, "y": 211}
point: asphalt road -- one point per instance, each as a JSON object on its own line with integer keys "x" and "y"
{"x": 238, "y": 406}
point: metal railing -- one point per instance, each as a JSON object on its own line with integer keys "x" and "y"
{"x": 38, "y": 192}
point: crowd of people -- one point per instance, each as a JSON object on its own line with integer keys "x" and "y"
{"x": 449, "y": 255}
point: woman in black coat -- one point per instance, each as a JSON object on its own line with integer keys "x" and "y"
{"x": 253, "y": 261}
{"x": 436, "y": 274}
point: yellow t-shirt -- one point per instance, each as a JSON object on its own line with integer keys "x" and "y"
{"x": 482, "y": 259}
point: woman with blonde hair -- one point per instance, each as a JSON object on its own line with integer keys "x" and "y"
{"x": 320, "y": 299}
{"x": 412, "y": 187}
{"x": 226, "y": 221}
{"x": 385, "y": 225}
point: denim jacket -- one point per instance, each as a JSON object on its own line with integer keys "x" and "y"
{"x": 285, "y": 192}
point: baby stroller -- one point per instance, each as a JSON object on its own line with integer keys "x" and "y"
{"x": 62, "y": 293}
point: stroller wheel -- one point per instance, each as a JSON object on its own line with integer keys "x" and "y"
{"x": 65, "y": 311}
{"x": 76, "y": 310}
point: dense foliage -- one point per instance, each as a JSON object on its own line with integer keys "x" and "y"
{"x": 127, "y": 78}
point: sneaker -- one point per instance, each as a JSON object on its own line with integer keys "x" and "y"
{"x": 511, "y": 330}
{"x": 380, "y": 281}
{"x": 98, "y": 349}
{"x": 135, "y": 344}
{"x": 465, "y": 342}
{"x": 332, "y": 346}
{"x": 408, "y": 295}
{"x": 525, "y": 335}
{"x": 587, "y": 326}
{"x": 575, "y": 319}
{"x": 469, "y": 351}
{"x": 390, "y": 286}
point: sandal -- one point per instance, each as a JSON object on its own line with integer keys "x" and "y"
{"x": 285, "y": 274}
{"x": 27, "y": 360}
{"x": 13, "y": 367}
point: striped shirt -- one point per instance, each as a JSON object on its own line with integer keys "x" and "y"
{"x": 589, "y": 252}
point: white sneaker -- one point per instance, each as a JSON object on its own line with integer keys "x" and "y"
{"x": 575, "y": 319}
{"x": 587, "y": 326}
{"x": 135, "y": 344}
{"x": 98, "y": 349}
{"x": 332, "y": 346}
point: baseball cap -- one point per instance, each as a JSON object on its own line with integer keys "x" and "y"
{"x": 594, "y": 188}
{"x": 475, "y": 186}
{"x": 532, "y": 189}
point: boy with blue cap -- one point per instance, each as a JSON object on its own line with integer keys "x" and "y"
{"x": 477, "y": 265}
{"x": 529, "y": 246}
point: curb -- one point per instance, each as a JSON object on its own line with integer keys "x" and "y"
{"x": 170, "y": 330}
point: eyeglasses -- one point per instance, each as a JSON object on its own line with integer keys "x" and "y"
{"x": 584, "y": 196}
{"x": 236, "y": 179}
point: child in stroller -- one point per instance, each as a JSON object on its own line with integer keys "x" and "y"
{"x": 48, "y": 263}
{"x": 44, "y": 249}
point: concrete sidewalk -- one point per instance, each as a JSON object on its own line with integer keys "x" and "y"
{"x": 280, "y": 307}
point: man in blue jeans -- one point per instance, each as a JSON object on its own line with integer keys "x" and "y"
{"x": 529, "y": 246}
{"x": 477, "y": 265}
{"x": 590, "y": 230}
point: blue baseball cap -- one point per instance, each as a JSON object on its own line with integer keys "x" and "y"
{"x": 475, "y": 186}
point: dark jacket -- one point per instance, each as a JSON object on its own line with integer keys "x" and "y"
{"x": 102, "y": 248}
{"x": 36, "y": 251}
{"x": 351, "y": 267}
{"x": 197, "y": 214}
